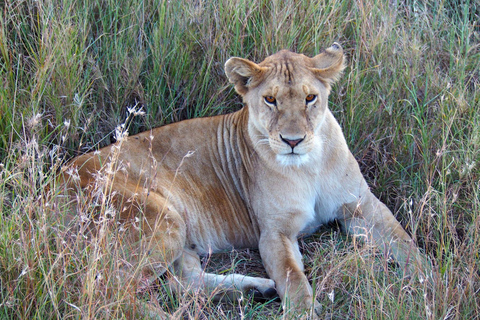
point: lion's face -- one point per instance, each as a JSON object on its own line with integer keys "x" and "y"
{"x": 287, "y": 98}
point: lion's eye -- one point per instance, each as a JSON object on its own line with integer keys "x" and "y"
{"x": 310, "y": 98}
{"x": 271, "y": 100}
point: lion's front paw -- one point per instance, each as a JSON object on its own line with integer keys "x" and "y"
{"x": 305, "y": 310}
{"x": 317, "y": 312}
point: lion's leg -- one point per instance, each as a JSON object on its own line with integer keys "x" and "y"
{"x": 372, "y": 220}
{"x": 157, "y": 231}
{"x": 282, "y": 260}
{"x": 151, "y": 234}
{"x": 192, "y": 278}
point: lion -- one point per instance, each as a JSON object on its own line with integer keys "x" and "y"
{"x": 256, "y": 178}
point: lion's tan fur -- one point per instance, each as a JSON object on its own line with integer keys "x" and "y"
{"x": 235, "y": 181}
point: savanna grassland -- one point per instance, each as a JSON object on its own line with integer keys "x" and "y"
{"x": 78, "y": 75}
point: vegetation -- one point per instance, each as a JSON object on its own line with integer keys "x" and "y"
{"x": 72, "y": 71}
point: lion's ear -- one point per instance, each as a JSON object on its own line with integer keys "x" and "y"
{"x": 241, "y": 72}
{"x": 328, "y": 65}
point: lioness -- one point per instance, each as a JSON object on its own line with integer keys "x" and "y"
{"x": 256, "y": 178}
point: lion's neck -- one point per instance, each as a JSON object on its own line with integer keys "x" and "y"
{"x": 237, "y": 127}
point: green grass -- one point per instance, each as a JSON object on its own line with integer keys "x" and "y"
{"x": 408, "y": 103}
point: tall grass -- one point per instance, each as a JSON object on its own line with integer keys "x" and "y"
{"x": 408, "y": 104}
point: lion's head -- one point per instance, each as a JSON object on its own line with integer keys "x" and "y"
{"x": 287, "y": 99}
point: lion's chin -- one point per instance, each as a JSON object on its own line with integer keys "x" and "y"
{"x": 293, "y": 159}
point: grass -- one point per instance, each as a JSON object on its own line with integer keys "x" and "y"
{"x": 408, "y": 104}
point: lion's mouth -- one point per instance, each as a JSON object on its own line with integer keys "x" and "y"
{"x": 292, "y": 159}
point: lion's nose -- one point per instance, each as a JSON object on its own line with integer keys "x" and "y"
{"x": 291, "y": 143}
